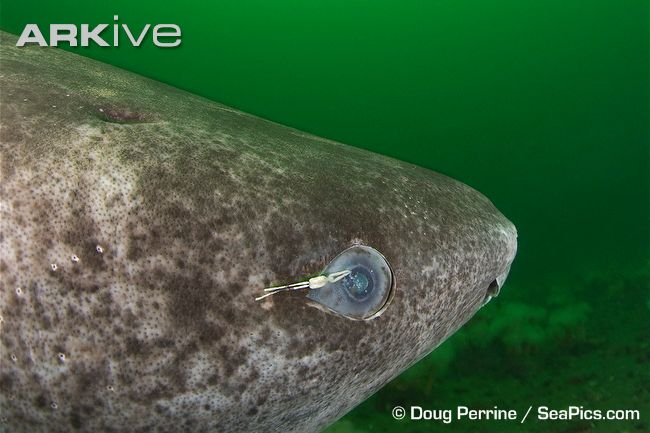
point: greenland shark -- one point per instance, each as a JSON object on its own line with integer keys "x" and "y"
{"x": 140, "y": 225}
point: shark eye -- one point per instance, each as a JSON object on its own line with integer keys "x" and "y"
{"x": 366, "y": 289}
{"x": 359, "y": 283}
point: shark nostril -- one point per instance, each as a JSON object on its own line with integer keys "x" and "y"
{"x": 494, "y": 288}
{"x": 492, "y": 291}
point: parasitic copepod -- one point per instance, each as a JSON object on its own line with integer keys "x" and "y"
{"x": 357, "y": 284}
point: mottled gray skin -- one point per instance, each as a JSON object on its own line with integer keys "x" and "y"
{"x": 197, "y": 207}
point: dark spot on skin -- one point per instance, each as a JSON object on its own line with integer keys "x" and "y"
{"x": 39, "y": 311}
{"x": 164, "y": 343}
{"x": 71, "y": 313}
{"x": 130, "y": 319}
{"x": 210, "y": 333}
{"x": 88, "y": 410}
{"x": 59, "y": 348}
{"x": 135, "y": 347}
{"x": 252, "y": 411}
{"x": 6, "y": 383}
{"x": 75, "y": 420}
{"x": 135, "y": 249}
{"x": 191, "y": 297}
{"x": 253, "y": 376}
{"x": 87, "y": 379}
{"x": 159, "y": 393}
{"x": 6, "y": 341}
{"x": 213, "y": 380}
{"x": 114, "y": 200}
{"x": 102, "y": 310}
{"x": 41, "y": 401}
{"x": 106, "y": 298}
{"x": 302, "y": 371}
{"x": 265, "y": 335}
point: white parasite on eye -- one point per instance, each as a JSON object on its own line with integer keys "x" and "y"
{"x": 74, "y": 258}
{"x": 19, "y": 291}
{"x": 99, "y": 249}
{"x": 53, "y": 266}
{"x": 312, "y": 283}
{"x": 61, "y": 357}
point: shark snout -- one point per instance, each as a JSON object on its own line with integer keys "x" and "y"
{"x": 509, "y": 235}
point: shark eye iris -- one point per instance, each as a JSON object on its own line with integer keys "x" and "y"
{"x": 362, "y": 294}
{"x": 358, "y": 284}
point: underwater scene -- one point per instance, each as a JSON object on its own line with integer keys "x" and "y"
{"x": 541, "y": 106}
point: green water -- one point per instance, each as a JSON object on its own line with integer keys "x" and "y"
{"x": 542, "y": 106}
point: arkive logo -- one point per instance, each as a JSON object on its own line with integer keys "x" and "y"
{"x": 163, "y": 35}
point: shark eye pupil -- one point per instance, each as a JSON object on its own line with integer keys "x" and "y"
{"x": 358, "y": 284}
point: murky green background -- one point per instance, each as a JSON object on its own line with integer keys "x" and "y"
{"x": 541, "y": 105}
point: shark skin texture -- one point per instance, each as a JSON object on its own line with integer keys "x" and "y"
{"x": 139, "y": 222}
